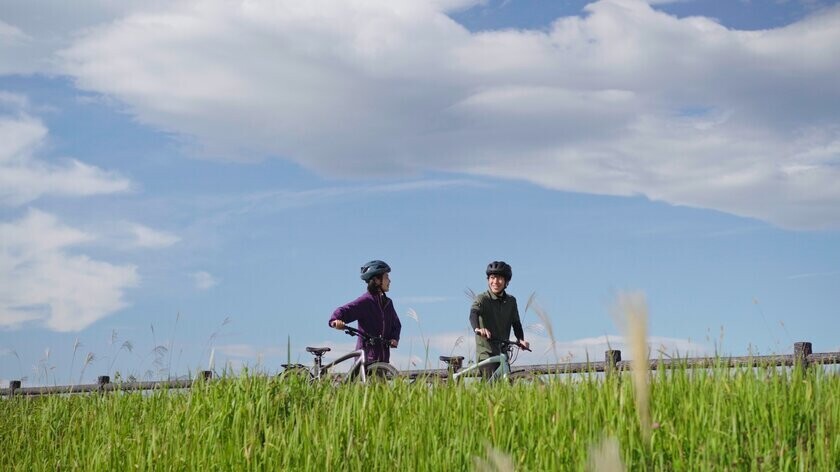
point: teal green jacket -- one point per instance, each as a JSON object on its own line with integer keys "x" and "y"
{"x": 499, "y": 315}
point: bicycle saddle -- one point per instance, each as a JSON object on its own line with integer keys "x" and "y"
{"x": 318, "y": 351}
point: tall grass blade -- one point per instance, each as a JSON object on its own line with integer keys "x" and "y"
{"x": 632, "y": 310}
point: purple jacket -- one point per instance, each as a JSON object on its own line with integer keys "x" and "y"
{"x": 374, "y": 319}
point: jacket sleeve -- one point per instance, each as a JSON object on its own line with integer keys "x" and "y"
{"x": 347, "y": 313}
{"x": 396, "y": 326}
{"x": 475, "y": 313}
{"x": 517, "y": 323}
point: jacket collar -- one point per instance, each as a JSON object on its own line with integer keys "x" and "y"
{"x": 493, "y": 296}
{"x": 381, "y": 299}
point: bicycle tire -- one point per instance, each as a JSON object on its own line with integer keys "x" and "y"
{"x": 430, "y": 380}
{"x": 525, "y": 377}
{"x": 296, "y": 372}
{"x": 328, "y": 378}
{"x": 381, "y": 371}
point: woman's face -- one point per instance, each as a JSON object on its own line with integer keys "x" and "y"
{"x": 386, "y": 282}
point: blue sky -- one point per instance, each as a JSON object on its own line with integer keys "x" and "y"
{"x": 209, "y": 176}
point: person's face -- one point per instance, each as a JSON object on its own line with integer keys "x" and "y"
{"x": 386, "y": 282}
{"x": 496, "y": 283}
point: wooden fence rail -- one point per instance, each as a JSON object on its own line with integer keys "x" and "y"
{"x": 612, "y": 362}
{"x": 103, "y": 384}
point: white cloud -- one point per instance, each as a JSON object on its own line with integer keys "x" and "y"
{"x": 577, "y": 350}
{"x": 12, "y": 102}
{"x": 223, "y": 208}
{"x": 23, "y": 178}
{"x": 9, "y": 32}
{"x": 452, "y": 342}
{"x": 33, "y": 31}
{"x": 145, "y": 237}
{"x": 623, "y": 100}
{"x": 238, "y": 350}
{"x": 16, "y": 44}
{"x": 41, "y": 281}
{"x": 241, "y": 353}
{"x": 282, "y": 199}
{"x": 810, "y": 275}
{"x": 130, "y": 235}
{"x": 204, "y": 280}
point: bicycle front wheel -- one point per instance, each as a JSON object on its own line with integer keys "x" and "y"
{"x": 430, "y": 379}
{"x": 525, "y": 377}
{"x": 381, "y": 372}
{"x": 297, "y": 372}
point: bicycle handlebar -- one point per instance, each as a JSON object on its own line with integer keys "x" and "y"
{"x": 368, "y": 339}
{"x": 507, "y": 343}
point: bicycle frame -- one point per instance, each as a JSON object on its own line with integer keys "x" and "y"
{"x": 318, "y": 371}
{"x": 501, "y": 372}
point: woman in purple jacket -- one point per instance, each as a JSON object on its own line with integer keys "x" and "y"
{"x": 374, "y": 312}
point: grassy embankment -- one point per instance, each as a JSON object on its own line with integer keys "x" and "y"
{"x": 720, "y": 419}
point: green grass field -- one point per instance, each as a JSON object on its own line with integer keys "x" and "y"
{"x": 720, "y": 419}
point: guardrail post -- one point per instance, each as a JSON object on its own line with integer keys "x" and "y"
{"x": 801, "y": 351}
{"x": 611, "y": 358}
{"x": 102, "y": 381}
{"x": 13, "y": 385}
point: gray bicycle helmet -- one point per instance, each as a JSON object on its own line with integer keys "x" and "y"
{"x": 374, "y": 268}
{"x": 500, "y": 268}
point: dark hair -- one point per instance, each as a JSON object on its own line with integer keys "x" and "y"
{"x": 374, "y": 285}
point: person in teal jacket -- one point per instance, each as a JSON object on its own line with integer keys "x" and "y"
{"x": 494, "y": 313}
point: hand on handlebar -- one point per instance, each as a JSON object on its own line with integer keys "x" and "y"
{"x": 368, "y": 340}
{"x": 524, "y": 344}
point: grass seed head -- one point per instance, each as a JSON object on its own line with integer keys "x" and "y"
{"x": 605, "y": 456}
{"x": 632, "y": 314}
{"x": 496, "y": 461}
